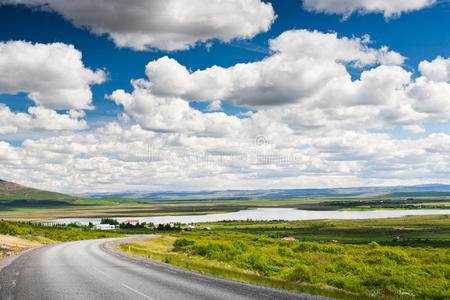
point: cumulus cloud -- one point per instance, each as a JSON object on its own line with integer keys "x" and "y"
{"x": 214, "y": 106}
{"x": 304, "y": 85}
{"x": 436, "y": 70}
{"x": 163, "y": 24}
{"x": 310, "y": 125}
{"x": 388, "y": 8}
{"x": 303, "y": 62}
{"x": 52, "y": 75}
{"x": 39, "y": 118}
{"x": 165, "y": 114}
{"x": 298, "y": 92}
{"x": 116, "y": 158}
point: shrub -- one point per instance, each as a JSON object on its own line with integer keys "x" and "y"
{"x": 285, "y": 251}
{"x": 109, "y": 221}
{"x": 373, "y": 244}
{"x": 180, "y": 243}
{"x": 395, "y": 255}
{"x": 301, "y": 273}
{"x": 7, "y": 228}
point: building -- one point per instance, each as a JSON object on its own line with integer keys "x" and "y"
{"x": 105, "y": 226}
{"x": 289, "y": 238}
{"x": 132, "y": 222}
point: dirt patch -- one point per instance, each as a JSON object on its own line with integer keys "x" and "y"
{"x": 8, "y": 244}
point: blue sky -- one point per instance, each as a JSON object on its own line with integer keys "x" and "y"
{"x": 416, "y": 34}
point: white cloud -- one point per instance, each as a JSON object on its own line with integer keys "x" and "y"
{"x": 167, "y": 114}
{"x": 115, "y": 158}
{"x": 431, "y": 98}
{"x": 215, "y": 105}
{"x": 39, "y": 118}
{"x": 303, "y": 62}
{"x": 414, "y": 128}
{"x": 388, "y": 8}
{"x": 310, "y": 127}
{"x": 53, "y": 75}
{"x": 437, "y": 70}
{"x": 321, "y": 106}
{"x": 164, "y": 24}
{"x": 303, "y": 86}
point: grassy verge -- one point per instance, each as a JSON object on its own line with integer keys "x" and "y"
{"x": 163, "y": 249}
{"x": 345, "y": 271}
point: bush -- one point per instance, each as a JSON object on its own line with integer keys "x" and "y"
{"x": 395, "y": 255}
{"x": 180, "y": 243}
{"x": 301, "y": 273}
{"x": 7, "y": 228}
{"x": 285, "y": 251}
{"x": 109, "y": 221}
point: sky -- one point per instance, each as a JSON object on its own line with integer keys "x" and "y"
{"x": 187, "y": 95}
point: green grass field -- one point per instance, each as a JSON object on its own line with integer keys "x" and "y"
{"x": 353, "y": 268}
{"x": 407, "y": 231}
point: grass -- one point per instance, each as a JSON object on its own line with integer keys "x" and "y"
{"x": 415, "y": 265}
{"x": 60, "y": 233}
{"x": 406, "y": 231}
{"x": 335, "y": 270}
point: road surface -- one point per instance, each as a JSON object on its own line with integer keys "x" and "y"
{"x": 90, "y": 270}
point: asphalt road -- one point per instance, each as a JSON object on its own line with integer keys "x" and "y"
{"x": 90, "y": 270}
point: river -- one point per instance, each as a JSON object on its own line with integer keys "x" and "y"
{"x": 266, "y": 214}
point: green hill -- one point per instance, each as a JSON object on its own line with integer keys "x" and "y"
{"x": 13, "y": 194}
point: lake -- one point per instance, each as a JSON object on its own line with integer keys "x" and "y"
{"x": 266, "y": 214}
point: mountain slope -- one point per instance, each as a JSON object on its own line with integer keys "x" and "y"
{"x": 13, "y": 194}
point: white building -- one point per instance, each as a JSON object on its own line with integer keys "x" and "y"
{"x": 105, "y": 226}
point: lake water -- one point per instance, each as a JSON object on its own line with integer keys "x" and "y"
{"x": 266, "y": 214}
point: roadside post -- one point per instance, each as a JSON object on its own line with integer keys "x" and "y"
{"x": 17, "y": 250}
{"x": 129, "y": 250}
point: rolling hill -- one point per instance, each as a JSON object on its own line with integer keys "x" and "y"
{"x": 13, "y": 194}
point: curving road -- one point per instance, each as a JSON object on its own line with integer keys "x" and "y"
{"x": 90, "y": 270}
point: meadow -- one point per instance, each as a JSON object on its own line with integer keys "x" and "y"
{"x": 431, "y": 231}
{"x": 351, "y": 270}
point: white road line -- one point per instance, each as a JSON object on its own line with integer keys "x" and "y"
{"x": 137, "y": 292}
{"x": 101, "y": 272}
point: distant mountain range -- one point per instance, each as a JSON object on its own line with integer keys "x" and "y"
{"x": 435, "y": 189}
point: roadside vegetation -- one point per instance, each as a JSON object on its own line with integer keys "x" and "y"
{"x": 61, "y": 233}
{"x": 352, "y": 270}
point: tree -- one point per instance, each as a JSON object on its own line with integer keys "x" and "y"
{"x": 109, "y": 221}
